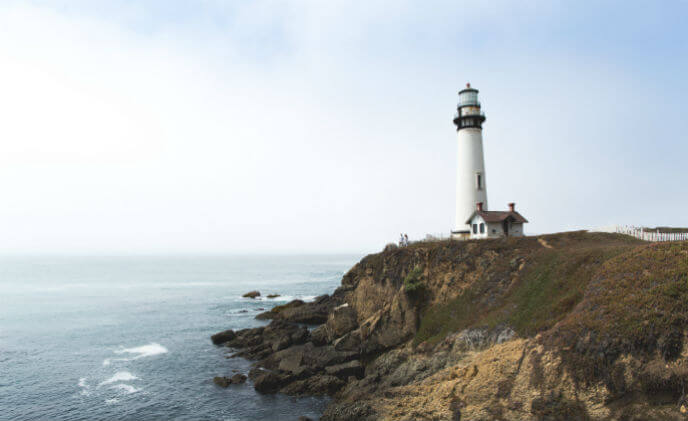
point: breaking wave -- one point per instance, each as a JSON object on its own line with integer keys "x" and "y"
{"x": 143, "y": 351}
{"x": 120, "y": 376}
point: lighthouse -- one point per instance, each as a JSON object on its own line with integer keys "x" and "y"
{"x": 471, "y": 186}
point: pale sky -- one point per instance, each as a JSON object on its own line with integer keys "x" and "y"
{"x": 326, "y": 126}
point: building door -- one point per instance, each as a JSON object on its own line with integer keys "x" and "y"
{"x": 505, "y": 226}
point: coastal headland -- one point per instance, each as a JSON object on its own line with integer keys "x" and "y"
{"x": 574, "y": 326}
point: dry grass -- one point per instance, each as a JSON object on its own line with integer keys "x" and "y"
{"x": 551, "y": 284}
{"x": 637, "y": 303}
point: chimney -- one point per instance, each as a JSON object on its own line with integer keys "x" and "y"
{"x": 479, "y": 205}
{"x": 512, "y": 207}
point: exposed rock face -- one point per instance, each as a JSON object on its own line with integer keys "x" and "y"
{"x": 260, "y": 342}
{"x": 299, "y": 312}
{"x": 505, "y": 329}
{"x": 340, "y": 321}
{"x": 346, "y": 370}
{"x": 252, "y": 294}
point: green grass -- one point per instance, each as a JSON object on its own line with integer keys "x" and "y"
{"x": 552, "y": 283}
{"x": 413, "y": 281}
{"x": 637, "y": 304}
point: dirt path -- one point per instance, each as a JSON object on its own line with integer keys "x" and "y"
{"x": 544, "y": 243}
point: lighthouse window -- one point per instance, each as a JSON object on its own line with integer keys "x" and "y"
{"x": 475, "y": 228}
{"x": 479, "y": 181}
{"x": 482, "y": 228}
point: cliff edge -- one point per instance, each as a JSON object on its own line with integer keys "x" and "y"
{"x": 571, "y": 326}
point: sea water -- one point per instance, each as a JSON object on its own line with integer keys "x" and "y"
{"x": 128, "y": 338}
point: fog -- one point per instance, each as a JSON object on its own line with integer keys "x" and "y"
{"x": 326, "y": 127}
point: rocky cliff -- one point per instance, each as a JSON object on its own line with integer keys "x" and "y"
{"x": 565, "y": 326}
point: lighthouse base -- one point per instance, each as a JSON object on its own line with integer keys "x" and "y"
{"x": 460, "y": 235}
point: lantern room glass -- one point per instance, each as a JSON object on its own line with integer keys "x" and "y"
{"x": 468, "y": 98}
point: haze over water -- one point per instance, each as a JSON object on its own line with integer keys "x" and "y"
{"x": 128, "y": 337}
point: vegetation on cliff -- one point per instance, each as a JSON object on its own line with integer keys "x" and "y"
{"x": 552, "y": 279}
{"x": 565, "y": 326}
{"x": 413, "y": 282}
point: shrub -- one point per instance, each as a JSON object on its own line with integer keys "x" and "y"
{"x": 413, "y": 283}
{"x": 390, "y": 247}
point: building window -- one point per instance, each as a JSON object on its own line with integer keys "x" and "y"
{"x": 479, "y": 181}
{"x": 494, "y": 231}
{"x": 482, "y": 228}
{"x": 475, "y": 228}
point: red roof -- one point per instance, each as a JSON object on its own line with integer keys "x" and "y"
{"x": 499, "y": 216}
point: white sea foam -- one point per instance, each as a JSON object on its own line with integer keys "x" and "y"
{"x": 111, "y": 401}
{"x": 120, "y": 376}
{"x": 149, "y": 350}
{"x": 84, "y": 386}
{"x": 127, "y": 388}
{"x": 144, "y": 351}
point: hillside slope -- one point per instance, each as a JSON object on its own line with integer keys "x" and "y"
{"x": 565, "y": 326}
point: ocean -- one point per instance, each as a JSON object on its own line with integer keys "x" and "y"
{"x": 128, "y": 338}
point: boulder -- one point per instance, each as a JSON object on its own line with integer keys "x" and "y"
{"x": 294, "y": 354}
{"x": 238, "y": 378}
{"x": 222, "y": 381}
{"x": 222, "y": 337}
{"x": 291, "y": 362}
{"x": 273, "y": 295}
{"x": 226, "y": 381}
{"x": 270, "y": 382}
{"x": 254, "y": 372}
{"x": 343, "y": 371}
{"x": 252, "y": 294}
{"x": 300, "y": 336}
{"x": 319, "y": 335}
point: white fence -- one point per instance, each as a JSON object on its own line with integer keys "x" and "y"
{"x": 652, "y": 235}
{"x": 436, "y": 237}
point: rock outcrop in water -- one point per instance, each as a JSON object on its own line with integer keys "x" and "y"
{"x": 252, "y": 294}
{"x": 592, "y": 326}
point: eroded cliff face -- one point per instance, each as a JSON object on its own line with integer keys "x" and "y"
{"x": 567, "y": 326}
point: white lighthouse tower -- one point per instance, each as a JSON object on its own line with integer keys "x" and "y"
{"x": 471, "y": 187}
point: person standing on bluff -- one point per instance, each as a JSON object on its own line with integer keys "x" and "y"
{"x": 401, "y": 240}
{"x": 405, "y": 240}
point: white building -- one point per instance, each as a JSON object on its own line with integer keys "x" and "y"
{"x": 471, "y": 186}
{"x": 471, "y": 179}
{"x": 495, "y": 224}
